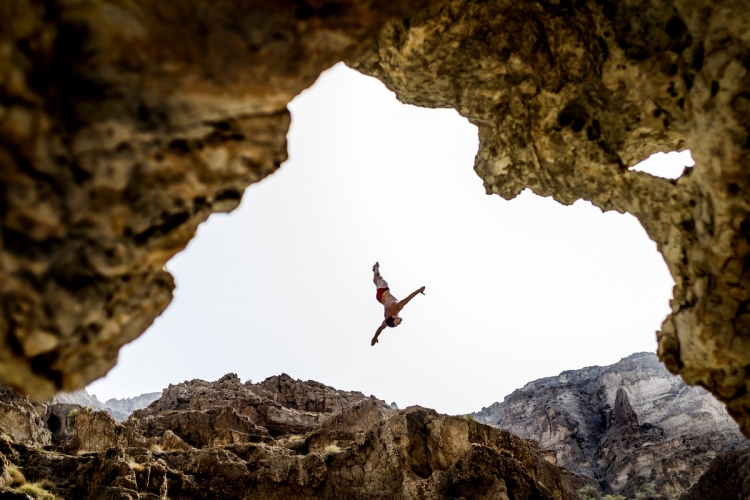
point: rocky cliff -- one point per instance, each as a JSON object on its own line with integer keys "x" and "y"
{"x": 124, "y": 125}
{"x": 625, "y": 428}
{"x": 208, "y": 440}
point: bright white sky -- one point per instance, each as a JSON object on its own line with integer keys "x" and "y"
{"x": 515, "y": 291}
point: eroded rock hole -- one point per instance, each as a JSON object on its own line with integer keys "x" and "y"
{"x": 310, "y": 231}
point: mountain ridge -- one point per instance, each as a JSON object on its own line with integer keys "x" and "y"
{"x": 119, "y": 408}
{"x": 623, "y": 427}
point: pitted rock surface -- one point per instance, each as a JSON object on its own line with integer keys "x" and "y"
{"x": 568, "y": 95}
{"x": 622, "y": 427}
{"x": 124, "y": 125}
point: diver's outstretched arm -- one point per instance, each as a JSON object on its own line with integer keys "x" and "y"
{"x": 377, "y": 334}
{"x": 402, "y": 303}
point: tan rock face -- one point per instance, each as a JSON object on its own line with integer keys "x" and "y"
{"x": 568, "y": 95}
{"x": 122, "y": 127}
{"x": 22, "y": 418}
{"x": 97, "y": 431}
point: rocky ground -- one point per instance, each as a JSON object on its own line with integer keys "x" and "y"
{"x": 279, "y": 439}
{"x": 627, "y": 428}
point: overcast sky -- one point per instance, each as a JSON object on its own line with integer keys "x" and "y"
{"x": 515, "y": 290}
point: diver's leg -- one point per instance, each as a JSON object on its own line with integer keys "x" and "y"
{"x": 377, "y": 278}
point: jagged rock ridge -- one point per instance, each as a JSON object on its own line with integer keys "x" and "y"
{"x": 622, "y": 426}
{"x": 204, "y": 440}
{"x": 120, "y": 409}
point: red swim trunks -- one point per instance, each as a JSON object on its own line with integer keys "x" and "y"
{"x": 380, "y": 292}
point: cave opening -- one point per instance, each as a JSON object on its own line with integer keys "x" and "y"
{"x": 54, "y": 424}
{"x": 515, "y": 290}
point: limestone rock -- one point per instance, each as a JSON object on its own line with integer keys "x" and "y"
{"x": 81, "y": 398}
{"x": 125, "y": 125}
{"x": 609, "y": 428}
{"x": 343, "y": 429}
{"x": 212, "y": 427}
{"x": 359, "y": 417}
{"x": 568, "y": 95}
{"x": 623, "y": 427}
{"x": 20, "y": 420}
{"x": 97, "y": 431}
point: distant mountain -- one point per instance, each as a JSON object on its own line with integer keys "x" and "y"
{"x": 120, "y": 409}
{"x": 628, "y": 428}
{"x": 124, "y": 407}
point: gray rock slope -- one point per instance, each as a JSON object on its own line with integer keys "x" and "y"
{"x": 625, "y": 428}
{"x": 120, "y": 409}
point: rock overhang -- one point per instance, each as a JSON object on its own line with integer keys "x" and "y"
{"x": 124, "y": 127}
{"x": 568, "y": 95}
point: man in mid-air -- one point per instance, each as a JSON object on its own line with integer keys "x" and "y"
{"x": 392, "y": 305}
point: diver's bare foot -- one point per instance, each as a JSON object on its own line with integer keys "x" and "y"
{"x": 376, "y": 267}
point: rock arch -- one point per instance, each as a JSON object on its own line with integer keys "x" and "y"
{"x": 123, "y": 127}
